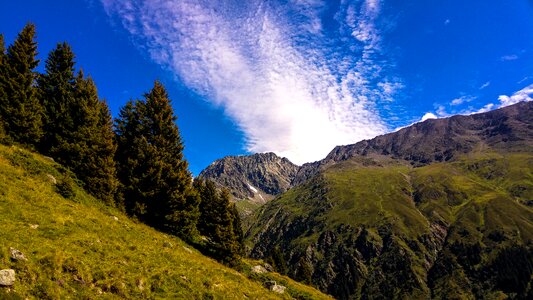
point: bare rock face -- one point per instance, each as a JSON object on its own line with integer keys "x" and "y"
{"x": 256, "y": 178}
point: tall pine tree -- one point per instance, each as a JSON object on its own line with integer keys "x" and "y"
{"x": 56, "y": 93}
{"x": 2, "y": 92}
{"x": 78, "y": 127}
{"x": 219, "y": 222}
{"x": 156, "y": 183}
{"x": 2, "y": 68}
{"x": 20, "y": 109}
{"x": 88, "y": 148}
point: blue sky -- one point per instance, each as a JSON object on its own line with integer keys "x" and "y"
{"x": 295, "y": 77}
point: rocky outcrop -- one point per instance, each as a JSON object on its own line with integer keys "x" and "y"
{"x": 259, "y": 269}
{"x": 274, "y": 287}
{"x": 16, "y": 254}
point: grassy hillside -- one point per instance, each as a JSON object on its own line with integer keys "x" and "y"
{"x": 78, "y": 248}
{"x": 380, "y": 228}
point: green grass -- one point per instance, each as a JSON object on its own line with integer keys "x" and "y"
{"x": 80, "y": 250}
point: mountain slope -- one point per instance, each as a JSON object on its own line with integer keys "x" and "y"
{"x": 78, "y": 248}
{"x": 252, "y": 180}
{"x": 389, "y": 218}
{"x": 508, "y": 128}
{"x": 395, "y": 231}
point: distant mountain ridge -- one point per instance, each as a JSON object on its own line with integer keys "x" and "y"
{"x": 437, "y": 140}
{"x": 258, "y": 178}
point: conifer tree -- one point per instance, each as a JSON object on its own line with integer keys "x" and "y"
{"x": 89, "y": 149}
{"x": 237, "y": 229}
{"x": 78, "y": 126}
{"x": 156, "y": 183}
{"x": 2, "y": 49}
{"x": 3, "y": 98}
{"x": 56, "y": 93}
{"x": 208, "y": 206}
{"x": 20, "y": 109}
{"x": 277, "y": 261}
{"x": 303, "y": 272}
{"x": 129, "y": 157}
{"x": 219, "y": 222}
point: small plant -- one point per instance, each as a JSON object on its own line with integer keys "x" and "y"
{"x": 65, "y": 187}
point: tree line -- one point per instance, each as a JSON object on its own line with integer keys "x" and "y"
{"x": 134, "y": 163}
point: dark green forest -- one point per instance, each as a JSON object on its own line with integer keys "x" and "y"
{"x": 134, "y": 163}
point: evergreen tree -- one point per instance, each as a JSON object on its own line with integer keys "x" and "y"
{"x": 78, "y": 126}
{"x": 219, "y": 222}
{"x": 130, "y": 157}
{"x": 156, "y": 183}
{"x": 303, "y": 272}
{"x": 20, "y": 109}
{"x": 2, "y": 49}
{"x": 237, "y": 228}
{"x": 208, "y": 206}
{"x": 56, "y": 93}
{"x": 89, "y": 149}
{"x": 3, "y": 97}
{"x": 104, "y": 183}
{"x": 277, "y": 261}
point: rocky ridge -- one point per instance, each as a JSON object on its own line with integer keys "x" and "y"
{"x": 438, "y": 140}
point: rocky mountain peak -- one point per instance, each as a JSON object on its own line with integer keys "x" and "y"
{"x": 256, "y": 178}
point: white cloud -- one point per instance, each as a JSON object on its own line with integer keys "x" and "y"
{"x": 457, "y": 101}
{"x": 509, "y": 57}
{"x": 522, "y": 95}
{"x": 447, "y": 21}
{"x": 441, "y": 111}
{"x": 428, "y": 116}
{"x": 485, "y": 85}
{"x": 462, "y": 99}
{"x": 485, "y": 108}
{"x": 262, "y": 61}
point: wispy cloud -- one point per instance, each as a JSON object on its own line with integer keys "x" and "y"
{"x": 509, "y": 57}
{"x": 485, "y": 85}
{"x": 524, "y": 94}
{"x": 289, "y": 89}
{"x": 462, "y": 99}
{"x": 523, "y": 80}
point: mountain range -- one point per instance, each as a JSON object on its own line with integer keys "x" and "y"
{"x": 440, "y": 209}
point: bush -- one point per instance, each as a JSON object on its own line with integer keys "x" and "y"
{"x": 65, "y": 187}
